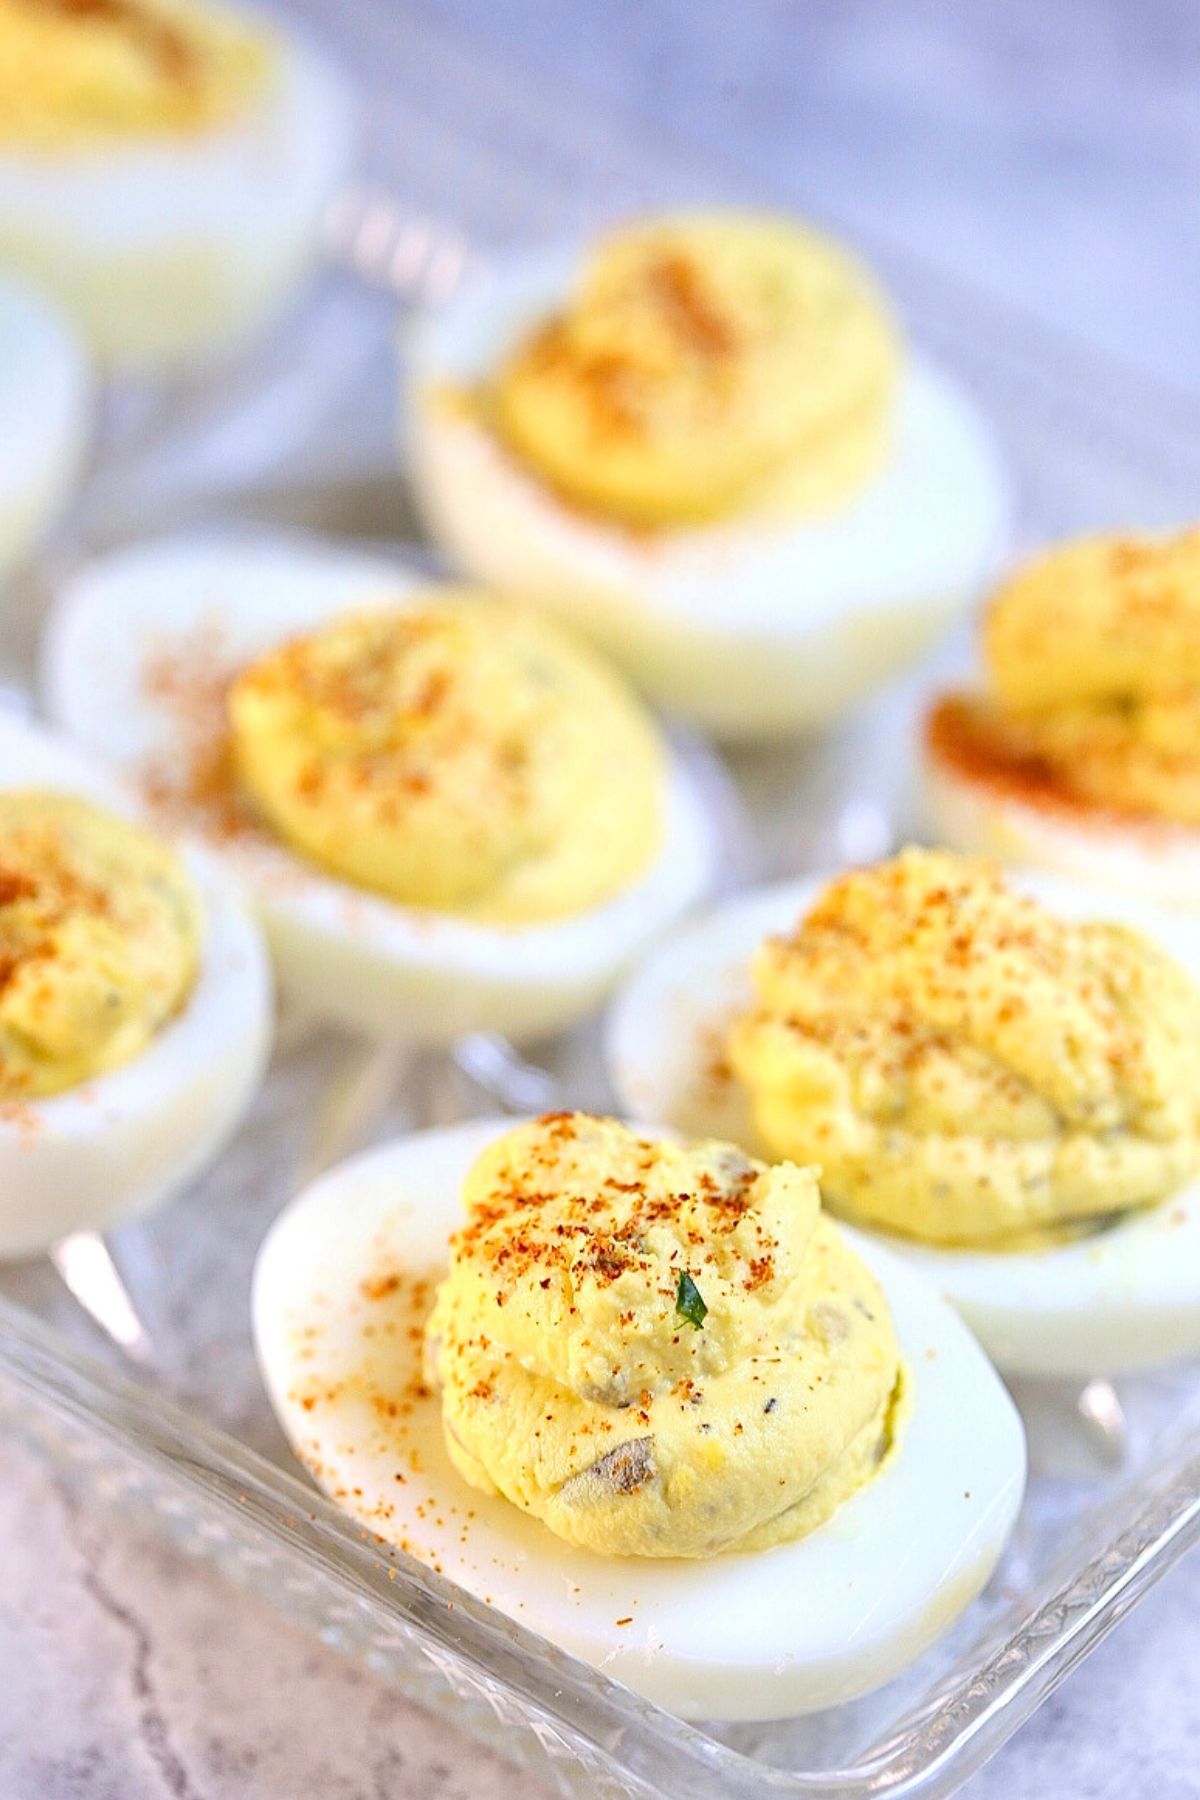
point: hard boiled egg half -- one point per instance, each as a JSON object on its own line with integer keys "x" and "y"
{"x": 343, "y": 1285}
{"x": 139, "y": 659}
{"x": 167, "y": 993}
{"x": 702, "y": 442}
{"x": 1119, "y": 1297}
{"x": 1079, "y": 749}
{"x": 164, "y": 167}
{"x": 45, "y": 406}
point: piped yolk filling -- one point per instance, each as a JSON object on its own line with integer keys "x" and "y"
{"x": 94, "y": 72}
{"x": 460, "y": 756}
{"x": 656, "y": 1350}
{"x": 707, "y": 366}
{"x": 100, "y": 931}
{"x": 1093, "y": 691}
{"x": 967, "y": 1068}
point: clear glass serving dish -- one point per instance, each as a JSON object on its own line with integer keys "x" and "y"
{"x": 303, "y": 432}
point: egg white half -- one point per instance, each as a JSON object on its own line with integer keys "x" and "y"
{"x": 736, "y": 1637}
{"x": 125, "y": 1141}
{"x": 1124, "y": 1299}
{"x": 1152, "y": 857}
{"x": 750, "y": 629}
{"x": 345, "y": 954}
{"x": 170, "y": 248}
{"x": 45, "y": 412}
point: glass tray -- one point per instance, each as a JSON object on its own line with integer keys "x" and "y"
{"x": 302, "y": 432}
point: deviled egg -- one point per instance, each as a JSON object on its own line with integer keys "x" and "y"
{"x": 635, "y": 1394}
{"x": 135, "y": 1002}
{"x": 45, "y": 407}
{"x": 1080, "y": 750}
{"x": 1001, "y": 1076}
{"x": 164, "y": 165}
{"x": 705, "y": 443}
{"x": 451, "y": 816}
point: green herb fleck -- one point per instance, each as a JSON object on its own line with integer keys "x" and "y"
{"x": 689, "y": 1302}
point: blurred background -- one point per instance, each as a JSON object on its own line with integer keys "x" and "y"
{"x": 1048, "y": 153}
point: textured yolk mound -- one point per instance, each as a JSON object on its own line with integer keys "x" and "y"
{"x": 103, "y": 71}
{"x": 708, "y": 365}
{"x": 583, "y": 1378}
{"x": 100, "y": 929}
{"x": 966, "y": 1067}
{"x": 1093, "y": 659}
{"x": 460, "y": 755}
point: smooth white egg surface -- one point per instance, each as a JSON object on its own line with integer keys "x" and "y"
{"x": 45, "y": 411}
{"x": 127, "y": 1139}
{"x": 169, "y": 248}
{"x": 750, "y": 629}
{"x": 136, "y": 659}
{"x": 1124, "y": 1299}
{"x": 985, "y": 816}
{"x": 343, "y": 1282}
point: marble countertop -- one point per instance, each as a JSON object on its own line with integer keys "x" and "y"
{"x": 128, "y": 1672}
{"x": 1051, "y": 153}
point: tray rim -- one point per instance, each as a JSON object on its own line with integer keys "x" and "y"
{"x": 1156, "y": 1521}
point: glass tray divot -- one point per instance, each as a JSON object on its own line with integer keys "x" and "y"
{"x": 301, "y": 432}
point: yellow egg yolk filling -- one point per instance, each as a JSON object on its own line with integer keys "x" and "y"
{"x": 460, "y": 755}
{"x": 1093, "y": 664}
{"x": 91, "y": 72}
{"x": 658, "y": 1350}
{"x": 966, "y": 1067}
{"x": 100, "y": 931}
{"x": 707, "y": 365}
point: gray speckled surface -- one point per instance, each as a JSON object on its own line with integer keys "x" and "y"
{"x": 1051, "y": 153}
{"x": 127, "y": 1670}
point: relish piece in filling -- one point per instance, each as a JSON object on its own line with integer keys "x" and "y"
{"x": 1092, "y": 656}
{"x": 459, "y": 755}
{"x": 100, "y": 931}
{"x": 658, "y": 1350}
{"x": 93, "y": 72}
{"x": 967, "y": 1067}
{"x": 707, "y": 365}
